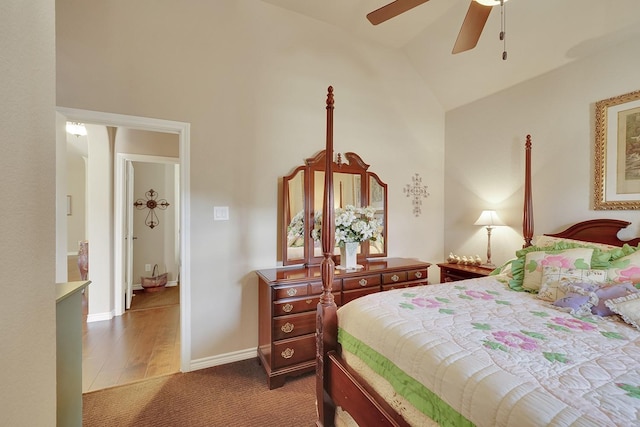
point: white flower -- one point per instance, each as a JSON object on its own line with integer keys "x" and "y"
{"x": 352, "y": 225}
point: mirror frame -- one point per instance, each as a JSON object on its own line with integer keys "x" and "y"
{"x": 355, "y": 165}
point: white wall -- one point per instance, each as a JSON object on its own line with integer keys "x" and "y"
{"x": 484, "y": 158}
{"x": 76, "y": 188}
{"x": 152, "y": 245}
{"x": 251, "y": 80}
{"x": 28, "y": 190}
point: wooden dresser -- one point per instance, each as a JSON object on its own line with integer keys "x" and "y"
{"x": 288, "y": 298}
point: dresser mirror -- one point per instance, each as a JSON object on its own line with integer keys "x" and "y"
{"x": 302, "y": 201}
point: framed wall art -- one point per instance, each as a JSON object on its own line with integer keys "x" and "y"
{"x": 617, "y": 153}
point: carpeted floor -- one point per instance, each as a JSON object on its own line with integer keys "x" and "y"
{"x": 235, "y": 394}
{"x": 143, "y": 299}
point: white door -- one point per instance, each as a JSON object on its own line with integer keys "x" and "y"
{"x": 129, "y": 237}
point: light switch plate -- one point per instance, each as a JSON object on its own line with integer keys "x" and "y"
{"x": 221, "y": 213}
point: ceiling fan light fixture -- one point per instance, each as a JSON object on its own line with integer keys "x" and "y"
{"x": 490, "y": 2}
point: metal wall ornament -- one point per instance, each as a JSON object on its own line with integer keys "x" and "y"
{"x": 417, "y": 191}
{"x": 151, "y": 203}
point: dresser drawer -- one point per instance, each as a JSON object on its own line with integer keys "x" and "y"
{"x": 294, "y": 325}
{"x": 316, "y": 288}
{"x": 417, "y": 274}
{"x": 403, "y": 285}
{"x": 292, "y": 306}
{"x": 290, "y": 291}
{"x": 397, "y": 277}
{"x": 292, "y": 351}
{"x": 360, "y": 282}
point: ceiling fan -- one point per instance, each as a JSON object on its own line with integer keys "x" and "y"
{"x": 472, "y": 26}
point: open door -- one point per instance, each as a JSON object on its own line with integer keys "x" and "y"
{"x": 129, "y": 237}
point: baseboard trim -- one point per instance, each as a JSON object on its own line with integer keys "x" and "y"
{"x": 97, "y": 317}
{"x": 223, "y": 359}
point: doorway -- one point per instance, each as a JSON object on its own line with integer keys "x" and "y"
{"x": 111, "y": 290}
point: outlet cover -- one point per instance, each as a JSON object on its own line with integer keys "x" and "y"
{"x": 147, "y": 267}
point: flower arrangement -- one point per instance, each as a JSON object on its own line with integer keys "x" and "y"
{"x": 295, "y": 230}
{"x": 352, "y": 225}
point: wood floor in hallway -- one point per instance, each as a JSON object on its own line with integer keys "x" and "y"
{"x": 138, "y": 345}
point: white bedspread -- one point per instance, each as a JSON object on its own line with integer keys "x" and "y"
{"x": 496, "y": 356}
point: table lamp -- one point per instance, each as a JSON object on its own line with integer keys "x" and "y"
{"x": 488, "y": 219}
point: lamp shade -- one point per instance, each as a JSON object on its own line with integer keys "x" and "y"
{"x": 489, "y": 219}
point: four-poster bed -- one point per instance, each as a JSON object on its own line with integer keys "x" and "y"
{"x": 364, "y": 345}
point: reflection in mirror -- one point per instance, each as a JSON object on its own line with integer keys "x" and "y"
{"x": 294, "y": 217}
{"x": 377, "y": 198}
{"x": 303, "y": 192}
{"x": 346, "y": 189}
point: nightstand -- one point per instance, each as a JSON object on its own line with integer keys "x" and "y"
{"x": 455, "y": 272}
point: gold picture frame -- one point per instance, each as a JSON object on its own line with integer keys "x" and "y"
{"x": 617, "y": 153}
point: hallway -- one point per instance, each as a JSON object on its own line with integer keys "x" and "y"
{"x": 138, "y": 345}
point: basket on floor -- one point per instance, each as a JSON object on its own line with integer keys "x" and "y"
{"x": 156, "y": 282}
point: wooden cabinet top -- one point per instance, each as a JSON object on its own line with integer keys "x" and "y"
{"x": 301, "y": 273}
{"x": 474, "y": 269}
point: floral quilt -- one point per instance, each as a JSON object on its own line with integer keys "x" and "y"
{"x": 477, "y": 353}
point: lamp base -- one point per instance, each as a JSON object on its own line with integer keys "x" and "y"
{"x": 490, "y": 266}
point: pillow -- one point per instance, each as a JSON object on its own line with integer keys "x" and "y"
{"x": 553, "y": 277}
{"x": 544, "y": 241}
{"x": 625, "y": 269}
{"x": 503, "y": 270}
{"x": 606, "y": 259}
{"x": 627, "y": 307}
{"x": 613, "y": 291}
{"x": 517, "y": 266}
{"x": 577, "y": 301}
{"x": 578, "y": 258}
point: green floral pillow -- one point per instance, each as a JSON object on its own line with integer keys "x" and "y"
{"x": 534, "y": 263}
{"x": 625, "y": 269}
{"x": 600, "y": 259}
{"x": 518, "y": 265}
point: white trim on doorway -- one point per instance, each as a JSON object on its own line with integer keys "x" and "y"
{"x": 182, "y": 129}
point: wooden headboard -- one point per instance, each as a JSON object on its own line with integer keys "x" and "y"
{"x": 599, "y": 231}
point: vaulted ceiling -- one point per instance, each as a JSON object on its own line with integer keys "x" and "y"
{"x": 541, "y": 36}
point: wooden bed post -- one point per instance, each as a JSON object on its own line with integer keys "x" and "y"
{"x": 527, "y": 219}
{"x": 326, "y": 318}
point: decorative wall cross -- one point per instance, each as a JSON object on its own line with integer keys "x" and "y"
{"x": 151, "y": 203}
{"x": 417, "y": 191}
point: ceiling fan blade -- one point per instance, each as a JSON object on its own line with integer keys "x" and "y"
{"x": 392, "y": 10}
{"x": 472, "y": 26}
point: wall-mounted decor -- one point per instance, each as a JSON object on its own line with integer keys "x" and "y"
{"x": 151, "y": 203}
{"x": 417, "y": 192}
{"x": 617, "y": 153}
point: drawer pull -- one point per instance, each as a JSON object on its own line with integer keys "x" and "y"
{"x": 287, "y": 328}
{"x": 419, "y": 274}
{"x": 292, "y": 291}
{"x": 287, "y": 308}
{"x": 395, "y": 278}
{"x": 309, "y": 301}
{"x": 363, "y": 282}
{"x": 287, "y": 353}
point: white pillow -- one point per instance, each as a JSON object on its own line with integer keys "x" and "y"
{"x": 627, "y": 307}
